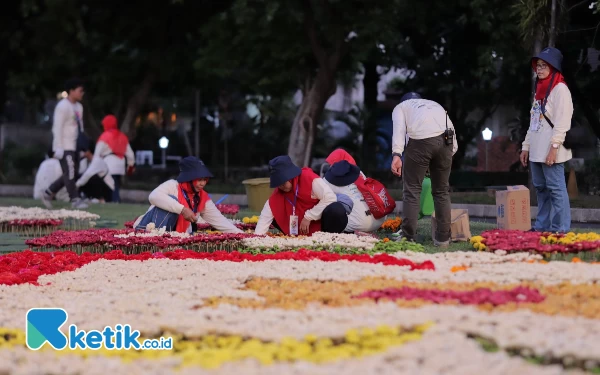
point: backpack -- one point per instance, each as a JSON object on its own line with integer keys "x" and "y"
{"x": 379, "y": 201}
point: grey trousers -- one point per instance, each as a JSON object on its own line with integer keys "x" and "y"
{"x": 420, "y": 155}
{"x": 70, "y": 166}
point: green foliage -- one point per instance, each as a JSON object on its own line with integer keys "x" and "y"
{"x": 19, "y": 161}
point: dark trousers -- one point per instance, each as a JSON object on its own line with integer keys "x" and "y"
{"x": 419, "y": 155}
{"x": 97, "y": 188}
{"x": 333, "y": 219}
{"x": 70, "y": 167}
{"x": 116, "y": 197}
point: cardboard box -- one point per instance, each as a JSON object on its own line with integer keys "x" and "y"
{"x": 513, "y": 208}
{"x": 459, "y": 225}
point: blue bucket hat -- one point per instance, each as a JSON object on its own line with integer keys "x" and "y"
{"x": 550, "y": 55}
{"x": 409, "y": 96}
{"x": 191, "y": 168}
{"x": 282, "y": 169}
{"x": 342, "y": 173}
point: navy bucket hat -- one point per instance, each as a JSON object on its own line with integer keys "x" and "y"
{"x": 409, "y": 96}
{"x": 550, "y": 55}
{"x": 342, "y": 173}
{"x": 282, "y": 169}
{"x": 191, "y": 168}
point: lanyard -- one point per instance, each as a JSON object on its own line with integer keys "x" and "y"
{"x": 293, "y": 204}
{"x": 195, "y": 209}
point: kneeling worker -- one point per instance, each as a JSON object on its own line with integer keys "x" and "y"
{"x": 302, "y": 203}
{"x": 177, "y": 204}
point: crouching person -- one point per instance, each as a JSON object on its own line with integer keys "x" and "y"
{"x": 342, "y": 178}
{"x": 177, "y": 204}
{"x": 302, "y": 203}
{"x": 96, "y": 182}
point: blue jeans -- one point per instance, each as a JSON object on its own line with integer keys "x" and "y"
{"x": 554, "y": 210}
{"x": 161, "y": 218}
{"x": 116, "y": 198}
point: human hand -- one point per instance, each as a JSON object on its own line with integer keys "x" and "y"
{"x": 524, "y": 157}
{"x": 189, "y": 215}
{"x": 59, "y": 153}
{"x": 397, "y": 166}
{"x": 551, "y": 158}
{"x": 130, "y": 170}
{"x": 305, "y": 226}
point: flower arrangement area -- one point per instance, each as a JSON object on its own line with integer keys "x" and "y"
{"x": 324, "y": 304}
{"x": 36, "y": 221}
{"x": 585, "y": 245}
{"x": 308, "y": 312}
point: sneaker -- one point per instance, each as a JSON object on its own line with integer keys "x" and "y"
{"x": 47, "y": 199}
{"x": 437, "y": 243}
{"x": 77, "y": 203}
{"x": 399, "y": 236}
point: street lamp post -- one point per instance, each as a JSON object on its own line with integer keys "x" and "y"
{"x": 163, "y": 143}
{"x": 487, "y": 137}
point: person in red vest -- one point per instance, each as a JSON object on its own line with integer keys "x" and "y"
{"x": 177, "y": 204}
{"x": 113, "y": 146}
{"x": 302, "y": 203}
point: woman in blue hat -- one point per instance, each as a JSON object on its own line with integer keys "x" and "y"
{"x": 341, "y": 178}
{"x": 551, "y": 116}
{"x": 177, "y": 204}
{"x": 302, "y": 203}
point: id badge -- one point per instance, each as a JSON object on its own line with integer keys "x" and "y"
{"x": 293, "y": 225}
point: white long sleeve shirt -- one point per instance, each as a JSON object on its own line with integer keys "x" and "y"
{"x": 419, "y": 119}
{"x": 64, "y": 125}
{"x": 50, "y": 171}
{"x": 116, "y": 165}
{"x": 160, "y": 197}
{"x": 320, "y": 191}
{"x": 96, "y": 167}
{"x": 541, "y": 136}
{"x": 358, "y": 220}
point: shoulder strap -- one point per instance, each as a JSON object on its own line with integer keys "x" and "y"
{"x": 546, "y": 99}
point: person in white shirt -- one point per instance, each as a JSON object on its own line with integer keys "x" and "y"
{"x": 551, "y": 115}
{"x": 341, "y": 178}
{"x": 178, "y": 204}
{"x": 113, "y": 146}
{"x": 96, "y": 182}
{"x": 48, "y": 172}
{"x": 67, "y": 132}
{"x": 431, "y": 145}
{"x": 302, "y": 203}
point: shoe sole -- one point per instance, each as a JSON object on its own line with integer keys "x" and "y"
{"x": 46, "y": 203}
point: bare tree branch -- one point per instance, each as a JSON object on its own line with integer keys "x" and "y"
{"x": 578, "y": 4}
{"x": 311, "y": 31}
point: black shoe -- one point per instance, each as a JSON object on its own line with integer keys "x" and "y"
{"x": 399, "y": 236}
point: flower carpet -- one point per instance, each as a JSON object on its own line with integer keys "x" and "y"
{"x": 326, "y": 304}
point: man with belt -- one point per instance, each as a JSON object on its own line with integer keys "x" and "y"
{"x": 431, "y": 145}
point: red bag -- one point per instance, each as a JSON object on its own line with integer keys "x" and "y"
{"x": 376, "y": 196}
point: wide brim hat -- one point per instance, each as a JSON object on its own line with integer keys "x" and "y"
{"x": 551, "y": 56}
{"x": 191, "y": 168}
{"x": 282, "y": 169}
{"x": 342, "y": 173}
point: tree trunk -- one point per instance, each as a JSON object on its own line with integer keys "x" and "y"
{"x": 309, "y": 113}
{"x": 370, "y": 82}
{"x": 136, "y": 102}
{"x": 552, "y": 36}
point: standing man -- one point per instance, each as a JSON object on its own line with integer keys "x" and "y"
{"x": 67, "y": 140}
{"x": 431, "y": 145}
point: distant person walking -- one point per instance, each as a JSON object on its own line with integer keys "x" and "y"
{"x": 551, "y": 115}
{"x": 113, "y": 146}
{"x": 67, "y": 140}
